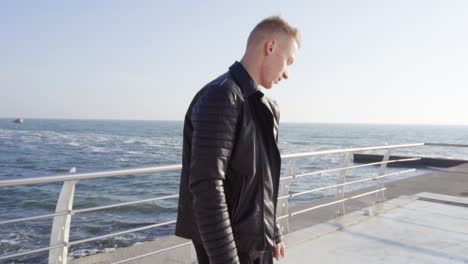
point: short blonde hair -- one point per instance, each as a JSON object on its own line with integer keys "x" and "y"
{"x": 274, "y": 24}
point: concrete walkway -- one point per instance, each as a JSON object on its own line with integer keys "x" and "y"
{"x": 379, "y": 239}
{"x": 451, "y": 181}
{"x": 426, "y": 228}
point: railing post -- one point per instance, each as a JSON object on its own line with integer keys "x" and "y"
{"x": 283, "y": 190}
{"x": 61, "y": 225}
{"x": 380, "y": 196}
{"x": 340, "y": 190}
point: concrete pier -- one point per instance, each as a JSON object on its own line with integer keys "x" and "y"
{"x": 450, "y": 181}
{"x": 408, "y": 229}
{"x": 424, "y": 220}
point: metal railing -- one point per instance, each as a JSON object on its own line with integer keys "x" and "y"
{"x": 59, "y": 242}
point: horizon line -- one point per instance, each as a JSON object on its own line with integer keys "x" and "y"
{"x": 181, "y": 120}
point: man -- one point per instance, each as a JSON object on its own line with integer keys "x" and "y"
{"x": 231, "y": 163}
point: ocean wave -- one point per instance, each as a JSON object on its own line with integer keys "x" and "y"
{"x": 10, "y": 241}
{"x": 131, "y": 236}
{"x": 98, "y": 149}
{"x": 87, "y": 252}
{"x": 144, "y": 208}
{"x": 132, "y": 152}
{"x": 83, "y": 228}
{"x": 149, "y": 208}
{"x": 74, "y": 144}
{"x": 50, "y": 205}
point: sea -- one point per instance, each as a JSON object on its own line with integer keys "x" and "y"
{"x": 48, "y": 147}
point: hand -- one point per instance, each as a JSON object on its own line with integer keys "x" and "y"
{"x": 278, "y": 251}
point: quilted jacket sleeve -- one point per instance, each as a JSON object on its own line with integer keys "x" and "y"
{"x": 214, "y": 119}
{"x": 276, "y": 115}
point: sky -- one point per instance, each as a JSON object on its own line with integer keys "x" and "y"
{"x": 385, "y": 62}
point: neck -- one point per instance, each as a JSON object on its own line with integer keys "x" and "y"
{"x": 250, "y": 64}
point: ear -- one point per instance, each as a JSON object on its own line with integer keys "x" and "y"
{"x": 270, "y": 46}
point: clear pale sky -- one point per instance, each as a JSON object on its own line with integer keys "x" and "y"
{"x": 361, "y": 61}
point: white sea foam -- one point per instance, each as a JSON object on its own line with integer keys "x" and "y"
{"x": 87, "y": 252}
{"x": 132, "y": 152}
{"x": 75, "y": 144}
{"x": 130, "y": 141}
{"x": 131, "y": 236}
{"x": 10, "y": 241}
{"x": 97, "y": 149}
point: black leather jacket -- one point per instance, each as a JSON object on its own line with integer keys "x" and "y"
{"x": 230, "y": 169}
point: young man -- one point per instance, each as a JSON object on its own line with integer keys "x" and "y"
{"x": 231, "y": 163}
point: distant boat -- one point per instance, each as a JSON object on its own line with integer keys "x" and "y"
{"x": 19, "y": 121}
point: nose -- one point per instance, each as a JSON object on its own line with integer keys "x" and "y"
{"x": 285, "y": 75}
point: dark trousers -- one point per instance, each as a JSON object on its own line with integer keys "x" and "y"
{"x": 265, "y": 258}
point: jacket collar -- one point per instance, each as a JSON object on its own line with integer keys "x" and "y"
{"x": 243, "y": 79}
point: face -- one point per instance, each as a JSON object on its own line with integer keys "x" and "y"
{"x": 280, "y": 53}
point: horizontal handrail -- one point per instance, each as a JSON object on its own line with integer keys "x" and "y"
{"x": 123, "y": 204}
{"x": 147, "y": 170}
{"x": 86, "y": 209}
{"x": 29, "y": 252}
{"x": 76, "y": 242}
{"x": 90, "y": 175}
{"x": 176, "y": 167}
{"x": 348, "y": 167}
{"x": 33, "y": 218}
{"x": 328, "y": 204}
{"x": 339, "y": 201}
{"x": 344, "y": 184}
{"x": 446, "y": 145}
{"x": 338, "y": 151}
{"x": 175, "y": 195}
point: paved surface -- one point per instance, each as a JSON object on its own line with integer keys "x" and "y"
{"x": 403, "y": 230}
{"x": 452, "y": 181}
